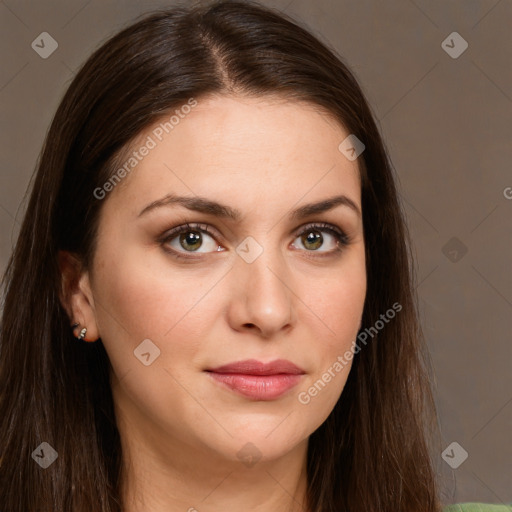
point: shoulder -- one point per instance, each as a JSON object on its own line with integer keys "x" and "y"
{"x": 478, "y": 507}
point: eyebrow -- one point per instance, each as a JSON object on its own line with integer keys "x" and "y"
{"x": 207, "y": 206}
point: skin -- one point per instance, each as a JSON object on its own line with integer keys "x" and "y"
{"x": 181, "y": 431}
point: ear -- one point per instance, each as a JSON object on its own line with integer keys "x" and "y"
{"x": 76, "y": 295}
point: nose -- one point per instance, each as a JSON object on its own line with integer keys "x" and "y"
{"x": 262, "y": 300}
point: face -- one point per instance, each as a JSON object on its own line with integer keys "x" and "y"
{"x": 178, "y": 290}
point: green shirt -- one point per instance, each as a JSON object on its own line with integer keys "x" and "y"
{"x": 478, "y": 507}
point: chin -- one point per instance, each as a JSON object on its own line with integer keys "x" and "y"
{"x": 265, "y": 441}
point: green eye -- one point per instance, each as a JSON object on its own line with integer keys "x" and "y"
{"x": 312, "y": 239}
{"x": 197, "y": 238}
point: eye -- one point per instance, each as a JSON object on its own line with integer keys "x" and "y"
{"x": 190, "y": 238}
{"x": 312, "y": 239}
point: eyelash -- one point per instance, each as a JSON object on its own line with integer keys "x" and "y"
{"x": 341, "y": 237}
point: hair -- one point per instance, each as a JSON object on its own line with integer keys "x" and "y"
{"x": 373, "y": 452}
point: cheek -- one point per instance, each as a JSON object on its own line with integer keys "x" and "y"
{"x": 144, "y": 305}
{"x": 146, "y": 300}
{"x": 339, "y": 301}
{"x": 136, "y": 302}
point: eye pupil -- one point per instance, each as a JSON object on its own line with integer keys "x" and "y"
{"x": 313, "y": 237}
{"x": 191, "y": 238}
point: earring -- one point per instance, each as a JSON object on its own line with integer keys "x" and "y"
{"x": 81, "y": 336}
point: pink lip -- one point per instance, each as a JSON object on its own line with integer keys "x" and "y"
{"x": 256, "y": 380}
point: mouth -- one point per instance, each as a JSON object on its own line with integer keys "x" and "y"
{"x": 256, "y": 380}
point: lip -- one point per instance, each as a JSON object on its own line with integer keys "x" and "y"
{"x": 254, "y": 367}
{"x": 256, "y": 380}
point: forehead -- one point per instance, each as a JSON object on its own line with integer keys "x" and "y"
{"x": 259, "y": 146}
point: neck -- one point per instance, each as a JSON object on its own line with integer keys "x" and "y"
{"x": 186, "y": 479}
{"x": 162, "y": 472}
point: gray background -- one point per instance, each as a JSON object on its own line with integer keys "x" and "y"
{"x": 447, "y": 124}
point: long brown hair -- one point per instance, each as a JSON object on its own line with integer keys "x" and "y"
{"x": 373, "y": 452}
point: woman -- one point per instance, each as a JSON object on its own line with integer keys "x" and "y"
{"x": 210, "y": 305}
